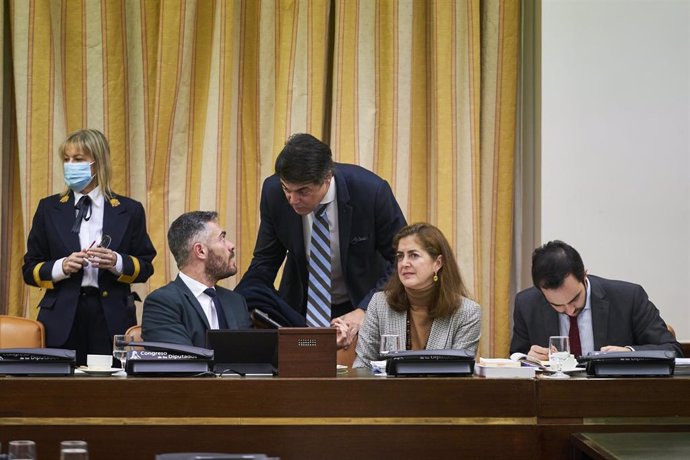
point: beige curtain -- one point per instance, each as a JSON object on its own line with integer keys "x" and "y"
{"x": 197, "y": 98}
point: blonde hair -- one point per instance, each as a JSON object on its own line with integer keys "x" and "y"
{"x": 94, "y": 142}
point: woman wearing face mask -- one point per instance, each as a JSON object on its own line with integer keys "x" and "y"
{"x": 86, "y": 246}
{"x": 426, "y": 304}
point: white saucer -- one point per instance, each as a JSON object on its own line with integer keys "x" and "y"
{"x": 569, "y": 370}
{"x": 569, "y": 366}
{"x": 99, "y": 371}
{"x": 341, "y": 368}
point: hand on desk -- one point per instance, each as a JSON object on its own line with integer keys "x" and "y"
{"x": 542, "y": 353}
{"x": 610, "y": 348}
{"x": 348, "y": 327}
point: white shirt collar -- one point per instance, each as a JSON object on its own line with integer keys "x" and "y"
{"x": 330, "y": 193}
{"x": 588, "y": 288}
{"x": 195, "y": 286}
{"x": 96, "y": 196}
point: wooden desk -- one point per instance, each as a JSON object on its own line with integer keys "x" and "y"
{"x": 344, "y": 417}
{"x": 355, "y": 416}
{"x": 631, "y": 446}
{"x": 609, "y": 405}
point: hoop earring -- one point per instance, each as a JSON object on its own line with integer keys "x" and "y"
{"x": 435, "y": 277}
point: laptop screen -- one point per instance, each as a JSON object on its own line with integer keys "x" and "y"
{"x": 246, "y": 351}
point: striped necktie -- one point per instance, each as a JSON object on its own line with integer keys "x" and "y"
{"x": 319, "y": 291}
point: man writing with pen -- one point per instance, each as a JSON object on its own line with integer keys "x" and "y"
{"x": 86, "y": 246}
{"x": 597, "y": 314}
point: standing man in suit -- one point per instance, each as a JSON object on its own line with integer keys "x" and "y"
{"x": 356, "y": 217}
{"x": 596, "y": 313}
{"x": 184, "y": 309}
{"x": 85, "y": 248}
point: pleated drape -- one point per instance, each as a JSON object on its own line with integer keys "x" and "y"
{"x": 198, "y": 97}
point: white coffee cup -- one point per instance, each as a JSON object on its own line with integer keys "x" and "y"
{"x": 99, "y": 361}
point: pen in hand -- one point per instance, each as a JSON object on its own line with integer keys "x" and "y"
{"x": 88, "y": 262}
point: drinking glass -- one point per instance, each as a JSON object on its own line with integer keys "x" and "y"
{"x": 389, "y": 343}
{"x": 74, "y": 450}
{"x": 559, "y": 352}
{"x": 120, "y": 347}
{"x": 22, "y": 450}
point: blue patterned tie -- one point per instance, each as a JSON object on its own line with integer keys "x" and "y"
{"x": 319, "y": 292}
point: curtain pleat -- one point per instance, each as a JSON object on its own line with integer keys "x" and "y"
{"x": 198, "y": 97}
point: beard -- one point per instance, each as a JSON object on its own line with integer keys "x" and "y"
{"x": 219, "y": 268}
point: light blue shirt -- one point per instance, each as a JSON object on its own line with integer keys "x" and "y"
{"x": 584, "y": 323}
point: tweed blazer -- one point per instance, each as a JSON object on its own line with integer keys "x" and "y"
{"x": 461, "y": 330}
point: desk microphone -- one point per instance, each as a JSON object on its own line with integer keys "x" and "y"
{"x": 264, "y": 318}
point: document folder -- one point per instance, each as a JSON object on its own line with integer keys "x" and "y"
{"x": 417, "y": 363}
{"x": 37, "y": 361}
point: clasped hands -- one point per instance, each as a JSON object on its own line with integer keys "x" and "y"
{"x": 347, "y": 327}
{"x": 97, "y": 257}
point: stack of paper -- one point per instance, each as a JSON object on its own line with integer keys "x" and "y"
{"x": 503, "y": 369}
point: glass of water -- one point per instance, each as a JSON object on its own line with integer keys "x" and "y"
{"x": 389, "y": 343}
{"x": 22, "y": 450}
{"x": 559, "y": 352}
{"x": 121, "y": 347}
{"x": 74, "y": 450}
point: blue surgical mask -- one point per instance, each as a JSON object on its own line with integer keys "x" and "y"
{"x": 78, "y": 175}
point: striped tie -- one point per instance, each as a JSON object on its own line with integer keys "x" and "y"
{"x": 319, "y": 292}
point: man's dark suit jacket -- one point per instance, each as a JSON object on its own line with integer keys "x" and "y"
{"x": 172, "y": 314}
{"x": 622, "y": 315}
{"x": 368, "y": 219}
{"x": 51, "y": 238}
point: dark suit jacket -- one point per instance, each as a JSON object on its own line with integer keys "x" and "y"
{"x": 173, "y": 315}
{"x": 51, "y": 239}
{"x": 368, "y": 219}
{"x": 622, "y": 315}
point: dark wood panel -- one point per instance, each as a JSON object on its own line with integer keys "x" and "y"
{"x": 352, "y": 416}
{"x": 314, "y": 442}
{"x": 215, "y": 397}
{"x": 662, "y": 397}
